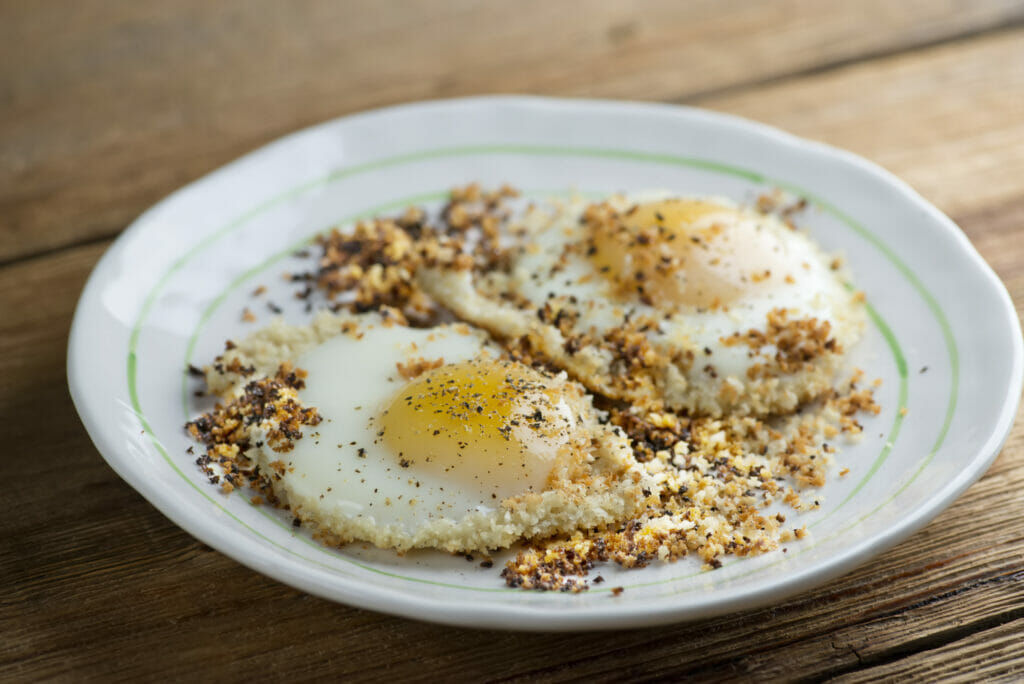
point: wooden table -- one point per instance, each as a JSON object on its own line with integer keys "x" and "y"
{"x": 106, "y": 107}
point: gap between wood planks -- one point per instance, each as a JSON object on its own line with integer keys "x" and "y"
{"x": 975, "y": 574}
{"x": 106, "y": 238}
{"x": 151, "y": 543}
{"x": 110, "y": 215}
{"x": 939, "y": 639}
{"x": 698, "y": 97}
{"x": 993, "y": 653}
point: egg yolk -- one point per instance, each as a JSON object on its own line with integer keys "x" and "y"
{"x": 656, "y": 252}
{"x": 499, "y": 425}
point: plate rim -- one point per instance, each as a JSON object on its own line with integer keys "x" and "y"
{"x": 510, "y": 616}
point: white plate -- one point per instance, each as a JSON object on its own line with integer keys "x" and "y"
{"x": 171, "y": 288}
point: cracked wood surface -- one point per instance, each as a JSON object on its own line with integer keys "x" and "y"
{"x": 108, "y": 107}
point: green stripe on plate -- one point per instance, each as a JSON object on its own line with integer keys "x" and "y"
{"x": 528, "y": 150}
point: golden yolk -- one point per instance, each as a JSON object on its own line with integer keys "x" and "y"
{"x": 497, "y": 425}
{"x": 654, "y": 252}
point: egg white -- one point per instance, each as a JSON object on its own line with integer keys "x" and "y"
{"x": 341, "y": 479}
{"x": 544, "y": 270}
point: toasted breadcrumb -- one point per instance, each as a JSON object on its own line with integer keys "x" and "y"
{"x": 270, "y": 403}
{"x": 417, "y": 367}
{"x": 375, "y": 264}
{"x": 719, "y": 477}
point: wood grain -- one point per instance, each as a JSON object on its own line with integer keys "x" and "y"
{"x": 99, "y": 565}
{"x": 117, "y": 105}
{"x": 948, "y": 120}
{"x": 989, "y": 655}
{"x": 105, "y": 108}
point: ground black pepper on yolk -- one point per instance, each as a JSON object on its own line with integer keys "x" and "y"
{"x": 657, "y": 252}
{"x": 481, "y": 420}
{"x": 514, "y": 427}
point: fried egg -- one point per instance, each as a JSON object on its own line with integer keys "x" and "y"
{"x": 688, "y": 303}
{"x": 430, "y": 438}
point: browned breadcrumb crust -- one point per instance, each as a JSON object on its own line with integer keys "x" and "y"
{"x": 782, "y": 206}
{"x": 269, "y": 401}
{"x": 853, "y": 402}
{"x": 718, "y": 476}
{"x": 797, "y": 343}
{"x": 375, "y": 265}
{"x": 637, "y": 366}
{"x": 417, "y": 367}
{"x": 639, "y": 369}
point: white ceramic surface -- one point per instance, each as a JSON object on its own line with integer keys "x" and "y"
{"x": 944, "y": 337}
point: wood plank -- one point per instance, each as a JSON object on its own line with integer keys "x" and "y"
{"x": 948, "y": 120}
{"x": 178, "y": 601}
{"x": 106, "y": 108}
{"x": 88, "y": 563}
{"x": 924, "y": 604}
{"x": 93, "y": 581}
{"x": 989, "y": 655}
